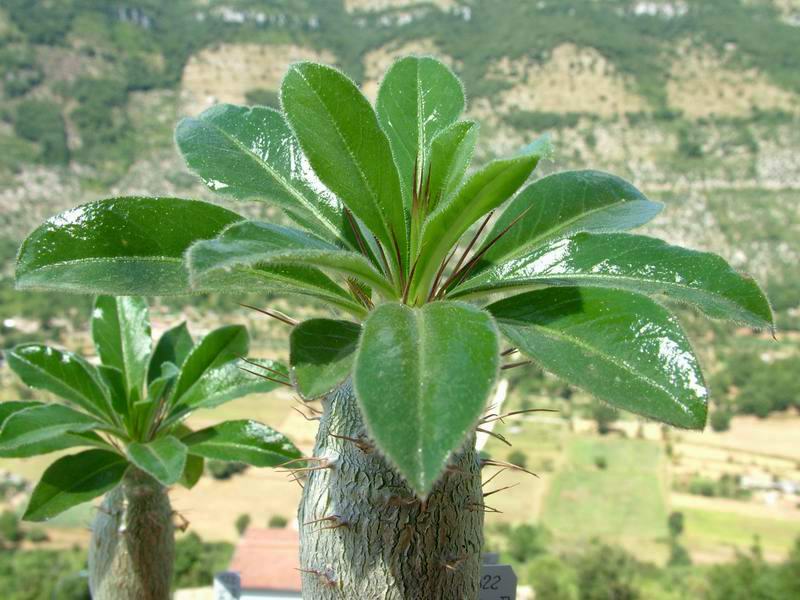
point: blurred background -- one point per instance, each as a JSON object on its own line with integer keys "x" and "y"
{"x": 696, "y": 102}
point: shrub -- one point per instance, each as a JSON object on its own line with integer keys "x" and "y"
{"x": 10, "y": 530}
{"x": 37, "y": 535}
{"x": 519, "y": 458}
{"x": 600, "y": 462}
{"x": 197, "y": 561}
{"x": 678, "y": 555}
{"x": 277, "y": 522}
{"x": 242, "y": 523}
{"x": 720, "y": 419}
{"x": 262, "y": 97}
{"x": 222, "y": 470}
{"x": 525, "y": 542}
{"x": 675, "y": 523}
{"x": 607, "y": 572}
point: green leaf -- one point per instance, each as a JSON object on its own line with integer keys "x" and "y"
{"x": 115, "y": 382}
{"x": 38, "y": 423}
{"x": 173, "y": 347}
{"x": 451, "y": 153}
{"x": 217, "y": 348}
{"x": 193, "y": 471}
{"x": 64, "y": 374}
{"x": 9, "y": 408}
{"x": 244, "y": 441}
{"x": 252, "y": 243}
{"x": 418, "y": 97}
{"x": 621, "y": 347}
{"x": 164, "y": 458}
{"x": 484, "y": 191}
{"x": 121, "y": 334}
{"x": 229, "y": 382}
{"x": 121, "y": 246}
{"x": 51, "y": 444}
{"x": 422, "y": 377}
{"x": 55, "y": 444}
{"x": 251, "y": 153}
{"x": 635, "y": 263}
{"x": 347, "y": 148}
{"x": 321, "y": 355}
{"x": 73, "y": 480}
{"x": 564, "y": 203}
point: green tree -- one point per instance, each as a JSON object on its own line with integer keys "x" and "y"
{"x": 397, "y": 241}
{"x": 607, "y": 573}
{"x": 525, "y": 542}
{"x": 129, "y": 411}
{"x": 10, "y": 530}
{"x": 675, "y": 524}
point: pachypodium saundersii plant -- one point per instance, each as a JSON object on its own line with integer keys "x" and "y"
{"x": 129, "y": 412}
{"x": 429, "y": 265}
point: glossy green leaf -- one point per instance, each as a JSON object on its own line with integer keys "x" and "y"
{"x": 451, "y": 153}
{"x": 56, "y": 444}
{"x": 193, "y": 471}
{"x": 163, "y": 458}
{"x": 321, "y": 355}
{"x": 228, "y": 382}
{"x": 121, "y": 246}
{"x": 172, "y": 347}
{"x": 422, "y": 377}
{"x": 244, "y": 441}
{"x": 635, "y": 263}
{"x": 64, "y": 374}
{"x": 73, "y": 480}
{"x": 217, "y": 348}
{"x": 347, "y": 148}
{"x": 38, "y": 423}
{"x": 564, "y": 203}
{"x": 253, "y": 243}
{"x": 121, "y": 333}
{"x": 484, "y": 191}
{"x": 251, "y": 153}
{"x": 418, "y": 97}
{"x": 115, "y": 383}
{"x": 51, "y": 444}
{"x": 621, "y": 347}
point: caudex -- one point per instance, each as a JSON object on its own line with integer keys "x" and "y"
{"x": 427, "y": 263}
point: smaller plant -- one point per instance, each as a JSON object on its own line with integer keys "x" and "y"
{"x": 277, "y": 522}
{"x": 600, "y": 462}
{"x": 129, "y": 411}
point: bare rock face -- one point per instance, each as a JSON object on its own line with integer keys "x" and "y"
{"x": 225, "y": 73}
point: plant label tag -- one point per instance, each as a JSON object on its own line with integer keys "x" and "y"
{"x": 498, "y": 582}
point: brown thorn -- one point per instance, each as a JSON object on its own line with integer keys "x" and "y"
{"x": 399, "y": 257}
{"x": 466, "y": 252}
{"x": 305, "y": 416}
{"x": 521, "y": 363}
{"x": 321, "y": 467}
{"x": 354, "y": 226}
{"x": 501, "y": 463}
{"x": 184, "y": 522}
{"x": 362, "y": 444}
{"x": 495, "y": 474}
{"x": 502, "y": 489}
{"x": 383, "y": 255}
{"x": 266, "y": 377}
{"x": 330, "y": 518}
{"x": 260, "y": 366}
{"x": 508, "y": 351}
{"x": 490, "y": 418}
{"x": 407, "y": 286}
{"x": 301, "y": 459}
{"x": 473, "y": 506}
{"x": 458, "y": 277}
{"x": 274, "y": 314}
{"x": 452, "y": 565}
{"x": 494, "y": 435}
{"x": 439, "y": 274}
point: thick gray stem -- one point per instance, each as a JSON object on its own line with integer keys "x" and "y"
{"x": 132, "y": 549}
{"x": 364, "y": 535}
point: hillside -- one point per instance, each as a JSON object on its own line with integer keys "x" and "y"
{"x": 696, "y": 101}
